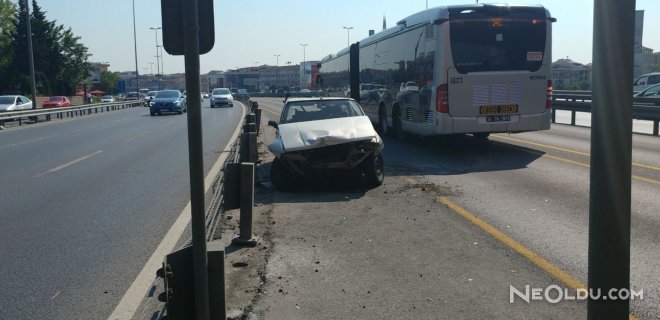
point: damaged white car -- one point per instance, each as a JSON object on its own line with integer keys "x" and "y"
{"x": 317, "y": 136}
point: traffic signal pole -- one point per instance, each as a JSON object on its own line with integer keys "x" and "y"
{"x": 195, "y": 149}
{"x": 611, "y": 157}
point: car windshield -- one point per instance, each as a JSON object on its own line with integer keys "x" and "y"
{"x": 300, "y": 111}
{"x": 7, "y": 100}
{"x": 221, "y": 91}
{"x": 106, "y": 97}
{"x": 152, "y": 94}
{"x": 168, "y": 94}
{"x": 56, "y": 99}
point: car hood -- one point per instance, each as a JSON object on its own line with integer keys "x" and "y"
{"x": 320, "y": 133}
{"x": 164, "y": 100}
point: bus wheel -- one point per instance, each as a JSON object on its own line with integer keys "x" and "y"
{"x": 481, "y": 135}
{"x": 382, "y": 121}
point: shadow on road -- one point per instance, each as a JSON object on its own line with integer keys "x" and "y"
{"x": 453, "y": 155}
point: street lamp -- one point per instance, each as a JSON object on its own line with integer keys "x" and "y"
{"x": 137, "y": 74}
{"x": 155, "y": 29}
{"x": 304, "y": 76}
{"x": 162, "y": 60}
{"x": 348, "y": 35}
{"x": 152, "y": 68}
{"x": 277, "y": 66}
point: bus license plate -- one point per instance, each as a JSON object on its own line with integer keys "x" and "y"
{"x": 502, "y": 118}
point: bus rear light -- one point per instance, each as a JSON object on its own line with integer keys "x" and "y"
{"x": 548, "y": 95}
{"x": 442, "y": 99}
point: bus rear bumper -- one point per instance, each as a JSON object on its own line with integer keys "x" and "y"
{"x": 518, "y": 123}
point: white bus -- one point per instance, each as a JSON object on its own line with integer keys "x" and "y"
{"x": 477, "y": 69}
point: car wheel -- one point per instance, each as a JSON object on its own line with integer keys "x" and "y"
{"x": 374, "y": 170}
{"x": 179, "y": 112}
{"x": 185, "y": 110}
{"x": 481, "y": 135}
{"x": 279, "y": 176}
{"x": 382, "y": 121}
{"x": 152, "y": 113}
{"x": 397, "y": 127}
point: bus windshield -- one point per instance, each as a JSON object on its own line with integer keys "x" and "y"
{"x": 488, "y": 41}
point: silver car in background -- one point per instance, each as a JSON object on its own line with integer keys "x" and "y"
{"x": 221, "y": 97}
{"x": 14, "y": 103}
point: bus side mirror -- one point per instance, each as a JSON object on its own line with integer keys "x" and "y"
{"x": 273, "y": 124}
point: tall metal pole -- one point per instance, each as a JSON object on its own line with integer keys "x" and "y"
{"x": 195, "y": 156}
{"x": 348, "y": 35}
{"x": 162, "y": 61}
{"x": 152, "y": 68}
{"x": 33, "y": 82}
{"x": 137, "y": 74}
{"x": 304, "y": 77}
{"x": 277, "y": 70}
{"x": 611, "y": 156}
{"x": 155, "y": 29}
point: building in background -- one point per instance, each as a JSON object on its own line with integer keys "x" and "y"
{"x": 308, "y": 73}
{"x": 570, "y": 75}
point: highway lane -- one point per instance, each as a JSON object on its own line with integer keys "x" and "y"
{"x": 85, "y": 203}
{"x": 534, "y": 187}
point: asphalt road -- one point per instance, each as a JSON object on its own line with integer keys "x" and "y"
{"x": 86, "y": 201}
{"x": 534, "y": 188}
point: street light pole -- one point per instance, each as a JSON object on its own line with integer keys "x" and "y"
{"x": 137, "y": 73}
{"x": 348, "y": 35}
{"x": 152, "y": 68}
{"x": 277, "y": 67}
{"x": 304, "y": 73}
{"x": 33, "y": 83}
{"x": 155, "y": 29}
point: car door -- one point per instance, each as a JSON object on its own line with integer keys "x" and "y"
{"x": 640, "y": 84}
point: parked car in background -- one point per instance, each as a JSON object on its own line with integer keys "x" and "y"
{"x": 221, "y": 97}
{"x": 106, "y": 99}
{"x": 649, "y": 95}
{"x": 150, "y": 96}
{"x": 168, "y": 101}
{"x": 58, "y": 101}
{"x": 646, "y": 80}
{"x": 318, "y": 136}
{"x": 14, "y": 103}
{"x": 131, "y": 96}
{"x": 205, "y": 95}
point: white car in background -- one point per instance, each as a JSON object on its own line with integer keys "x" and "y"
{"x": 221, "y": 97}
{"x": 14, "y": 103}
{"x": 319, "y": 136}
{"x": 106, "y": 99}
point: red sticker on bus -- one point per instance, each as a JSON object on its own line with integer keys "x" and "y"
{"x": 534, "y": 56}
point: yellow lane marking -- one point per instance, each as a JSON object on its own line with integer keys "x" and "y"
{"x": 273, "y": 112}
{"x": 586, "y": 165}
{"x": 641, "y": 165}
{"x": 536, "y": 259}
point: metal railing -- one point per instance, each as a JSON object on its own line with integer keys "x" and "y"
{"x": 62, "y": 112}
{"x": 644, "y": 108}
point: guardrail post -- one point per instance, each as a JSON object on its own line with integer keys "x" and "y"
{"x": 247, "y": 202}
{"x": 554, "y": 115}
{"x": 257, "y": 113}
{"x": 216, "y": 261}
{"x": 656, "y": 124}
{"x": 573, "y": 117}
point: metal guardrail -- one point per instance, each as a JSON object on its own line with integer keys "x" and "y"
{"x": 644, "y": 108}
{"x": 69, "y": 112}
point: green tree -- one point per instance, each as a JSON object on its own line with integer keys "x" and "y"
{"x": 60, "y": 60}
{"x": 7, "y": 25}
{"x": 109, "y": 82}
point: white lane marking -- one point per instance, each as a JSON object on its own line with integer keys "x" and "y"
{"x": 24, "y": 142}
{"x": 166, "y": 124}
{"x": 57, "y": 294}
{"x": 70, "y": 163}
{"x": 133, "y": 297}
{"x": 129, "y": 139}
{"x": 90, "y": 127}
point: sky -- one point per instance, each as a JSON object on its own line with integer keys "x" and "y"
{"x": 252, "y": 32}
